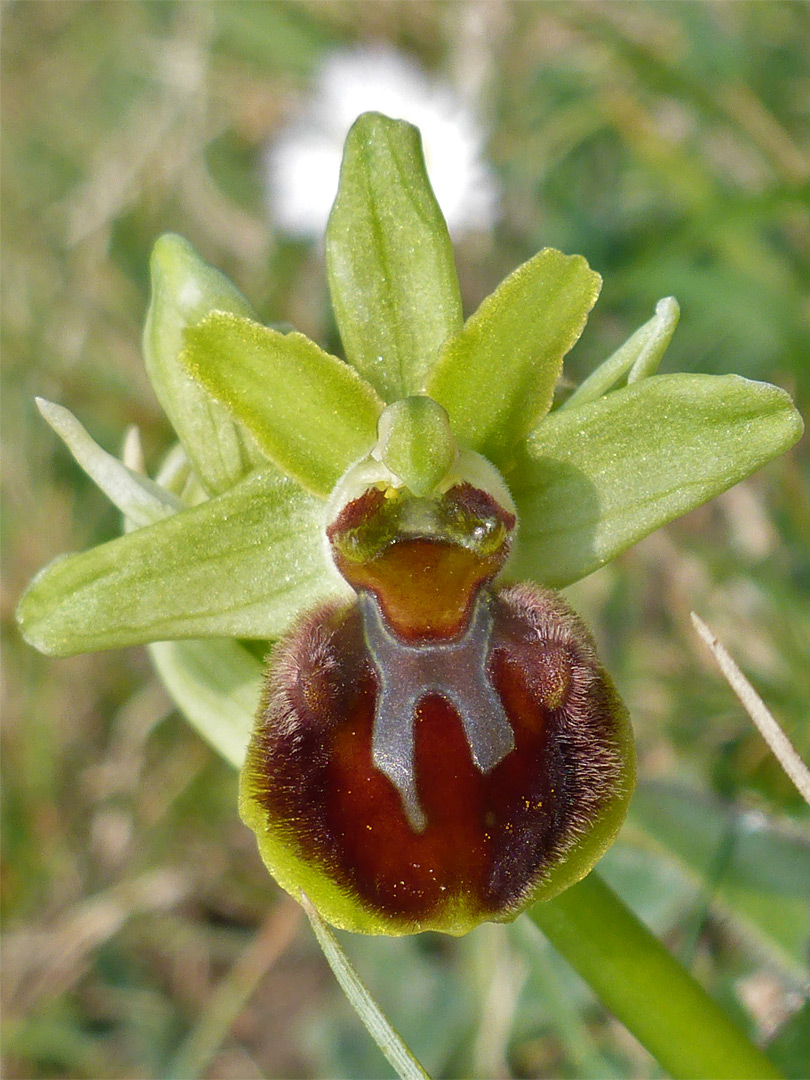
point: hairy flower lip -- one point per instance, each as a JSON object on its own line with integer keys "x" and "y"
{"x": 401, "y": 905}
{"x": 429, "y": 650}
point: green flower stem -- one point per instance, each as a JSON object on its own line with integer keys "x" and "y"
{"x": 645, "y": 987}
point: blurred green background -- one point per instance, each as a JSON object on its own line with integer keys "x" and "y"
{"x": 669, "y": 144}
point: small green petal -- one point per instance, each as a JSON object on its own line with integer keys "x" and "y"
{"x": 392, "y": 277}
{"x": 496, "y": 376}
{"x": 311, "y": 413}
{"x": 638, "y": 358}
{"x": 184, "y": 290}
{"x": 216, "y": 684}
{"x": 592, "y": 481}
{"x": 141, "y": 500}
{"x": 416, "y": 443}
{"x": 243, "y": 564}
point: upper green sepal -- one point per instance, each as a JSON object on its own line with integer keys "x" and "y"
{"x": 392, "y": 276}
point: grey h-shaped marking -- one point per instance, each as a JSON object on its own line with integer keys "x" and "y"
{"x": 406, "y": 673}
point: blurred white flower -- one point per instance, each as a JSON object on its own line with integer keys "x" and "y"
{"x": 303, "y": 162}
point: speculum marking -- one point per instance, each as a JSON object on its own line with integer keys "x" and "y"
{"x": 455, "y": 670}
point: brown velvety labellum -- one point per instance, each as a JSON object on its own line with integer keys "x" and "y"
{"x": 488, "y": 837}
{"x": 436, "y": 745}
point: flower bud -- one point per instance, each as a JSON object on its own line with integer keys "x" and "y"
{"x": 441, "y": 750}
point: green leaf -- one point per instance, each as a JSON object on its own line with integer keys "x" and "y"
{"x": 216, "y": 685}
{"x": 389, "y": 259}
{"x": 311, "y": 414}
{"x": 638, "y": 358}
{"x": 416, "y": 443}
{"x": 243, "y": 564}
{"x": 184, "y": 290}
{"x": 377, "y": 1024}
{"x": 137, "y": 497}
{"x": 592, "y": 481}
{"x": 496, "y": 376}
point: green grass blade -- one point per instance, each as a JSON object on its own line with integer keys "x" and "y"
{"x": 378, "y": 1026}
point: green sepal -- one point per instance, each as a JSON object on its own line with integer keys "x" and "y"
{"x": 216, "y": 684}
{"x": 243, "y": 564}
{"x": 592, "y": 481}
{"x": 311, "y": 413}
{"x": 496, "y": 376}
{"x": 184, "y": 290}
{"x": 416, "y": 443}
{"x": 389, "y": 259}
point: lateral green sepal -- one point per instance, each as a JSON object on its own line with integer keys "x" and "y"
{"x": 592, "y": 481}
{"x": 243, "y": 564}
